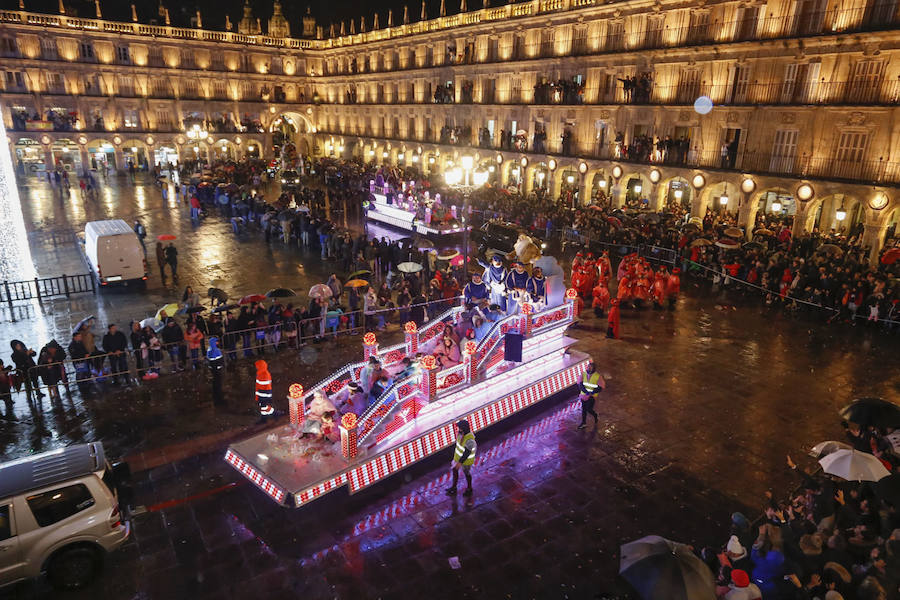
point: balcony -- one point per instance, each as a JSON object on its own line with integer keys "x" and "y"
{"x": 761, "y": 163}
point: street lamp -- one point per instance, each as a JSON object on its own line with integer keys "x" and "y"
{"x": 840, "y": 214}
{"x": 465, "y": 179}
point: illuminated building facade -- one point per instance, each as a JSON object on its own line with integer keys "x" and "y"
{"x": 746, "y": 106}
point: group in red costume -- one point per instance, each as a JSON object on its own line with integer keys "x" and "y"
{"x": 638, "y": 285}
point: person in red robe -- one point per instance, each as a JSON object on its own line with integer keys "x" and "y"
{"x": 673, "y": 287}
{"x": 658, "y": 291}
{"x": 612, "y": 321}
{"x": 604, "y": 267}
{"x": 601, "y": 299}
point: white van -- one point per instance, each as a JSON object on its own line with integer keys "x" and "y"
{"x": 114, "y": 252}
{"x": 59, "y": 514}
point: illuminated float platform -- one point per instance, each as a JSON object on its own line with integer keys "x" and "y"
{"x": 414, "y": 418}
{"x": 411, "y": 210}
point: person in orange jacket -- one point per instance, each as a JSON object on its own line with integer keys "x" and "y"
{"x": 612, "y": 331}
{"x": 264, "y": 390}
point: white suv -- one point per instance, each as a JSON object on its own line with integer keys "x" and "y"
{"x": 59, "y": 514}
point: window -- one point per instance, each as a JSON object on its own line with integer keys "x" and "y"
{"x": 865, "y": 83}
{"x": 49, "y": 49}
{"x": 615, "y": 35}
{"x": 55, "y": 82}
{"x": 130, "y": 118}
{"x": 54, "y": 506}
{"x": 15, "y": 79}
{"x": 219, "y": 91}
{"x": 155, "y": 56}
{"x": 162, "y": 88}
{"x": 187, "y": 59}
{"x": 8, "y": 46}
{"x": 247, "y": 91}
{"x": 5, "y": 522}
{"x": 126, "y": 86}
{"x": 784, "y": 151}
{"x": 86, "y": 51}
{"x": 851, "y": 147}
{"x": 189, "y": 88}
{"x": 163, "y": 120}
{"x": 123, "y": 54}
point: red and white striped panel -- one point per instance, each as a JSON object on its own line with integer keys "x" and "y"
{"x": 266, "y": 485}
{"x": 316, "y": 491}
{"x": 378, "y": 468}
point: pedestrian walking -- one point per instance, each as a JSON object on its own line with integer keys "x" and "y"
{"x": 591, "y": 385}
{"x": 81, "y": 360}
{"x": 216, "y": 362}
{"x": 263, "y": 391}
{"x": 161, "y": 259}
{"x": 141, "y": 233}
{"x": 171, "y": 253}
{"x": 463, "y": 457}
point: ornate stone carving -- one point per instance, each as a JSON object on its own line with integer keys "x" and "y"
{"x": 856, "y": 118}
{"x": 788, "y": 118}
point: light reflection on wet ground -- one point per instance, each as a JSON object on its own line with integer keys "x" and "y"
{"x": 702, "y": 405}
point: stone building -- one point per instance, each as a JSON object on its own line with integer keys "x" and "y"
{"x": 747, "y": 106}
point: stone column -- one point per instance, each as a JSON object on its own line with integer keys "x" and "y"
{"x": 800, "y": 220}
{"x": 697, "y": 203}
{"x": 873, "y": 236}
{"x": 48, "y": 158}
{"x": 745, "y": 215}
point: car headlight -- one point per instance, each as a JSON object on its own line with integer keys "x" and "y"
{"x": 283, "y": 181}
{"x": 543, "y": 245}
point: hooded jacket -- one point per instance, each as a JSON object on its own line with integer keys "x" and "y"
{"x": 214, "y": 356}
{"x": 20, "y": 355}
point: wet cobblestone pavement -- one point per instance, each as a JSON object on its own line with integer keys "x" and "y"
{"x": 701, "y": 406}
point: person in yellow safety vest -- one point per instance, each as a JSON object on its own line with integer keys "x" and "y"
{"x": 463, "y": 456}
{"x": 264, "y": 391}
{"x": 591, "y": 385}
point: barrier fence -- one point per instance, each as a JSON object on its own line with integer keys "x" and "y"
{"x": 47, "y": 287}
{"x": 658, "y": 254}
{"x": 235, "y": 345}
{"x": 727, "y": 279}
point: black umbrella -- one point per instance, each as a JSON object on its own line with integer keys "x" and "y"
{"x": 872, "y": 411}
{"x": 225, "y": 307}
{"x": 281, "y": 293}
{"x": 888, "y": 489}
{"x": 660, "y": 568}
{"x": 194, "y": 309}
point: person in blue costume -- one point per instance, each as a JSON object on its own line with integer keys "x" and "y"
{"x": 516, "y": 282}
{"x": 475, "y": 291}
{"x": 495, "y": 279}
{"x": 537, "y": 286}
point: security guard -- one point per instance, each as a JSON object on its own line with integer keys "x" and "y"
{"x": 591, "y": 385}
{"x": 216, "y": 362}
{"x": 463, "y": 456}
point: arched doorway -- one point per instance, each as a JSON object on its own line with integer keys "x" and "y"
{"x": 600, "y": 184}
{"x": 678, "y": 194}
{"x": 722, "y": 197}
{"x": 102, "y": 155}
{"x": 539, "y": 178}
{"x": 254, "y": 149}
{"x": 134, "y": 152}
{"x": 568, "y": 185}
{"x": 892, "y": 235}
{"x": 222, "y": 150}
{"x": 637, "y": 191}
{"x": 839, "y": 212}
{"x": 29, "y": 157}
{"x": 164, "y": 156}
{"x": 774, "y": 206}
{"x": 66, "y": 155}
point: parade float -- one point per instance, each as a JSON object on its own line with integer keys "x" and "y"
{"x": 412, "y": 209}
{"x": 523, "y": 359}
